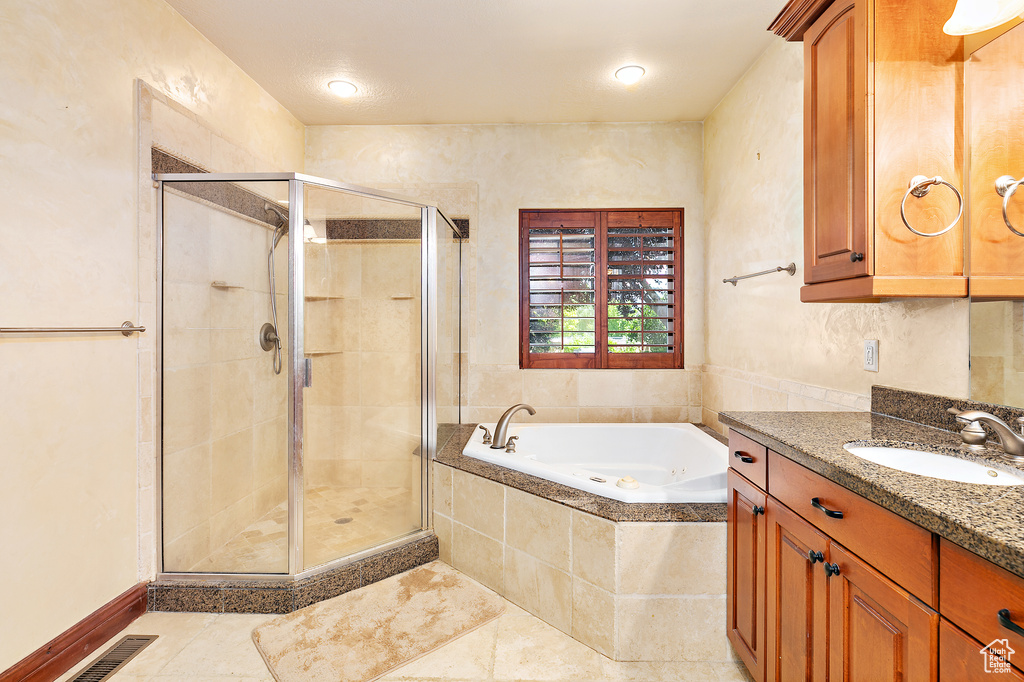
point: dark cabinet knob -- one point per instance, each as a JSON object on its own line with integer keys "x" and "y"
{"x": 854, "y": 256}
{"x": 831, "y": 569}
{"x": 757, "y": 510}
{"x": 815, "y": 556}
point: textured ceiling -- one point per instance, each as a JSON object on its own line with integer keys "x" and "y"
{"x": 489, "y": 61}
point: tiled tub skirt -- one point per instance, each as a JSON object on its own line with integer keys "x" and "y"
{"x": 632, "y": 590}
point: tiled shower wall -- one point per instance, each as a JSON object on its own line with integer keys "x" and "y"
{"x": 363, "y": 328}
{"x": 224, "y": 409}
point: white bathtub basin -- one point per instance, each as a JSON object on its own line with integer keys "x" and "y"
{"x": 934, "y": 465}
{"x": 671, "y": 462}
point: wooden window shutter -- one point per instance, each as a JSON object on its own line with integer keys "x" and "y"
{"x": 601, "y": 289}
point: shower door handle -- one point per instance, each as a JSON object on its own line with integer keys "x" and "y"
{"x": 307, "y": 380}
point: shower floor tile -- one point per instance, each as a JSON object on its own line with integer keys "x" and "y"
{"x": 338, "y": 522}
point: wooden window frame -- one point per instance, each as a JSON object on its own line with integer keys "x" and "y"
{"x": 601, "y": 358}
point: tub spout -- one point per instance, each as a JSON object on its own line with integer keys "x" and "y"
{"x": 501, "y": 428}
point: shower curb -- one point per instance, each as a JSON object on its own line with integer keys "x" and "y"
{"x": 249, "y": 596}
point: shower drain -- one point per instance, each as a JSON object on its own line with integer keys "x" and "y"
{"x": 343, "y": 519}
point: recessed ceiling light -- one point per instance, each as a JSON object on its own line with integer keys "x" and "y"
{"x": 630, "y": 74}
{"x": 342, "y": 88}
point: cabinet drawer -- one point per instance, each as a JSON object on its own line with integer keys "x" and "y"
{"x": 901, "y": 550}
{"x": 749, "y": 458}
{"x": 973, "y": 591}
{"x": 961, "y": 658}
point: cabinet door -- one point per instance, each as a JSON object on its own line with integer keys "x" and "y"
{"x": 745, "y": 593}
{"x": 877, "y": 630}
{"x": 964, "y": 659}
{"x": 836, "y": 221}
{"x": 996, "y": 149}
{"x": 797, "y": 607}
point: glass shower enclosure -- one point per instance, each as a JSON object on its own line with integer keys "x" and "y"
{"x": 309, "y": 345}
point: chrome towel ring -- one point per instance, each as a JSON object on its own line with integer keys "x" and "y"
{"x": 1006, "y": 186}
{"x": 920, "y": 186}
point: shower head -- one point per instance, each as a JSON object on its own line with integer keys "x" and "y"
{"x": 282, "y": 218}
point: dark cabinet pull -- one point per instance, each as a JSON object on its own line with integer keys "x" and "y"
{"x": 831, "y": 569}
{"x": 815, "y": 557}
{"x": 746, "y": 459}
{"x": 1004, "y": 620}
{"x": 757, "y": 510}
{"x": 854, "y": 256}
{"x": 831, "y": 513}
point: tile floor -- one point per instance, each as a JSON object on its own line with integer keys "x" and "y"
{"x": 516, "y": 646}
{"x": 377, "y": 515}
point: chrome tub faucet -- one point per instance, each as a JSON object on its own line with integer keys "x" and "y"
{"x": 501, "y": 428}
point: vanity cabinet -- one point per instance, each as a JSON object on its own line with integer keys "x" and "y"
{"x": 797, "y": 589}
{"x": 981, "y": 601}
{"x": 825, "y": 585}
{"x": 745, "y": 600}
{"x": 883, "y": 92}
{"x": 827, "y": 610}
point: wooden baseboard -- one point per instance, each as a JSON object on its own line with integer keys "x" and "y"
{"x": 68, "y": 649}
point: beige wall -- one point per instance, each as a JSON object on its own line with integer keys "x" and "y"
{"x": 71, "y": 418}
{"x": 765, "y": 349}
{"x": 541, "y": 166}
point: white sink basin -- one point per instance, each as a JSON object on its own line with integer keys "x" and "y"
{"x": 934, "y": 465}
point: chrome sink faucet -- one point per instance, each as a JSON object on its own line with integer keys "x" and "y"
{"x": 1012, "y": 443}
{"x": 501, "y": 428}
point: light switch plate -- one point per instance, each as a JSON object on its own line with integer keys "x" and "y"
{"x": 871, "y": 355}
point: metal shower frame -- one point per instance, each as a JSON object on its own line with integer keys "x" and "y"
{"x": 430, "y": 216}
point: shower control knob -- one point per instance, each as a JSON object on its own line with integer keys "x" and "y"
{"x": 854, "y": 256}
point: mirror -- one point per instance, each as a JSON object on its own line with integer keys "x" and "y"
{"x": 995, "y": 138}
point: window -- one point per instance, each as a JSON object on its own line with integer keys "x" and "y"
{"x": 601, "y": 289}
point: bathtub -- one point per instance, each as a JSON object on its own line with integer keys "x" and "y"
{"x": 671, "y": 462}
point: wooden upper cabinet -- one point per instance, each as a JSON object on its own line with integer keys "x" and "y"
{"x": 995, "y": 109}
{"x": 835, "y": 192}
{"x": 883, "y": 103}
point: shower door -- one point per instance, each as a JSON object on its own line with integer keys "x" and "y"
{"x": 362, "y": 337}
{"x": 224, "y": 430}
{"x": 297, "y": 411}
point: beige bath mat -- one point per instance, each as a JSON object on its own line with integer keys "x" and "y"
{"x": 364, "y": 634}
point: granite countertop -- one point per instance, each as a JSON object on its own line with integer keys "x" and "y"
{"x": 453, "y": 438}
{"x": 988, "y": 520}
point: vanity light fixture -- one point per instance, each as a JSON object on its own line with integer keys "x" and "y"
{"x": 630, "y": 74}
{"x": 975, "y": 16}
{"x": 342, "y": 88}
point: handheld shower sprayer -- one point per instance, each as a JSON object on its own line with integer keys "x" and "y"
{"x": 269, "y": 338}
